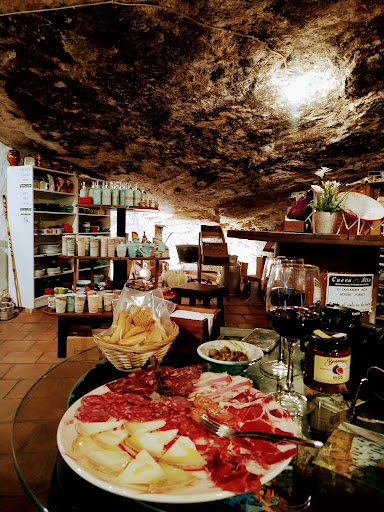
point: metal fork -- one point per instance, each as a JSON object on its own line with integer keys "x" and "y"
{"x": 224, "y": 431}
{"x": 162, "y": 389}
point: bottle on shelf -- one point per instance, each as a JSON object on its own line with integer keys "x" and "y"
{"x": 129, "y": 196}
{"x": 115, "y": 194}
{"x": 122, "y": 193}
{"x": 136, "y": 196}
{"x": 106, "y": 194}
{"x": 144, "y": 197}
{"x": 83, "y": 190}
{"x": 97, "y": 193}
{"x": 91, "y": 191}
{"x": 43, "y": 184}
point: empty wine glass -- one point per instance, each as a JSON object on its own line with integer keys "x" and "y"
{"x": 293, "y": 308}
{"x": 276, "y": 367}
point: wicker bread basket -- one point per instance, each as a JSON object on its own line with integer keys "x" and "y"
{"x": 131, "y": 358}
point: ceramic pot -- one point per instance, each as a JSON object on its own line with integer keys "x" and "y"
{"x": 13, "y": 157}
{"x": 145, "y": 273}
{"x": 325, "y": 223}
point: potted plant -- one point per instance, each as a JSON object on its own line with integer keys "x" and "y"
{"x": 326, "y": 204}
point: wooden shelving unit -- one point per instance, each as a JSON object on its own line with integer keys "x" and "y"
{"x": 127, "y": 259}
{"x": 29, "y": 205}
{"x": 349, "y": 254}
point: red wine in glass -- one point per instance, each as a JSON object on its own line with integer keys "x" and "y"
{"x": 293, "y": 321}
{"x": 293, "y": 309}
{"x": 280, "y": 296}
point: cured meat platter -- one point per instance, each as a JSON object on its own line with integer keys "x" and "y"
{"x": 124, "y": 438}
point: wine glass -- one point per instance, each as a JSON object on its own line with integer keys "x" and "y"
{"x": 276, "y": 367}
{"x": 293, "y": 306}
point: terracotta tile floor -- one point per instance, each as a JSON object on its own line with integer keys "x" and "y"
{"x": 28, "y": 349}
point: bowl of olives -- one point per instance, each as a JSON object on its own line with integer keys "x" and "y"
{"x": 229, "y": 356}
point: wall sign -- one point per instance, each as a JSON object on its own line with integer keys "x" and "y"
{"x": 350, "y": 290}
{"x": 25, "y": 193}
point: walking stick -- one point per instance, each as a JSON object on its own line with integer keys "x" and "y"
{"x": 11, "y": 252}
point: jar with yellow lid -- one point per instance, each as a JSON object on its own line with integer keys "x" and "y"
{"x": 327, "y": 362}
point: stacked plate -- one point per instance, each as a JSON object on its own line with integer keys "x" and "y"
{"x": 39, "y": 272}
{"x": 49, "y": 249}
{"x": 53, "y": 270}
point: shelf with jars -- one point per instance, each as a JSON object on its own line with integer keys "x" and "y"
{"x": 99, "y": 193}
{"x": 44, "y": 200}
{"x": 41, "y": 203}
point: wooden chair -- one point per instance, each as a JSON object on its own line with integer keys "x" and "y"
{"x": 213, "y": 249}
{"x": 204, "y": 292}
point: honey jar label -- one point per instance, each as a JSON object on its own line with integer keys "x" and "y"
{"x": 331, "y": 370}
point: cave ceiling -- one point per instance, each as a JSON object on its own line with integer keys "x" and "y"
{"x": 221, "y": 109}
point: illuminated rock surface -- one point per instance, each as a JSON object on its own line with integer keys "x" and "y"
{"x": 211, "y": 123}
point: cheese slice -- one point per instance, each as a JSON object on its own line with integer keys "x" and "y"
{"x": 183, "y": 454}
{"x": 97, "y": 426}
{"x": 110, "y": 461}
{"x": 142, "y": 470}
{"x": 136, "y": 427}
{"x": 110, "y": 438}
{"x": 153, "y": 442}
{"x": 176, "y": 477}
{"x": 321, "y": 334}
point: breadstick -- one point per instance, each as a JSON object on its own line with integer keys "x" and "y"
{"x": 117, "y": 318}
{"x": 128, "y": 325}
{"x": 119, "y": 328}
{"x": 134, "y": 340}
{"x": 155, "y": 334}
{"x": 134, "y": 330}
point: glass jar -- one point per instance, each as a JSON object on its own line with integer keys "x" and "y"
{"x": 327, "y": 362}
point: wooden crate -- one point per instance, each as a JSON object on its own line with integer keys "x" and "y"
{"x": 194, "y": 332}
{"x": 211, "y": 232}
{"x": 78, "y": 342}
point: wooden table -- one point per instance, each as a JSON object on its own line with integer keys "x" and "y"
{"x": 65, "y": 320}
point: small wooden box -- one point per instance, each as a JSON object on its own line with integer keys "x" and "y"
{"x": 194, "y": 332}
{"x": 211, "y": 232}
{"x": 297, "y": 226}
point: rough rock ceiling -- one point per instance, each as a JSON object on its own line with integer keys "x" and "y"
{"x": 210, "y": 122}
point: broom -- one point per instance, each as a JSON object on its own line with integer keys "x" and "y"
{"x": 12, "y": 255}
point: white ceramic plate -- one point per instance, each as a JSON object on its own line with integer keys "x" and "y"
{"x": 252, "y": 352}
{"x": 360, "y": 206}
{"x": 202, "y": 490}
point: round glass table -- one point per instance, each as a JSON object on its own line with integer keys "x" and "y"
{"x": 310, "y": 482}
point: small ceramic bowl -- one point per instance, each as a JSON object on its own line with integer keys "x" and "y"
{"x": 83, "y": 282}
{"x": 252, "y": 352}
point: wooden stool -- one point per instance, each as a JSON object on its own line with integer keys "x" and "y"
{"x": 204, "y": 292}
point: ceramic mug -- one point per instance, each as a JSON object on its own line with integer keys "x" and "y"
{"x": 70, "y": 302}
{"x": 60, "y": 290}
{"x": 132, "y": 250}
{"x": 145, "y": 250}
{"x": 60, "y": 303}
{"x": 121, "y": 250}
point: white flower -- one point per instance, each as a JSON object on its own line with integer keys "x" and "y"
{"x": 331, "y": 187}
{"x": 323, "y": 170}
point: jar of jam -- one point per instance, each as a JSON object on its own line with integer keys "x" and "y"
{"x": 327, "y": 362}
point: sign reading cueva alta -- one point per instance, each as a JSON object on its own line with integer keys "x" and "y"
{"x": 350, "y": 290}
